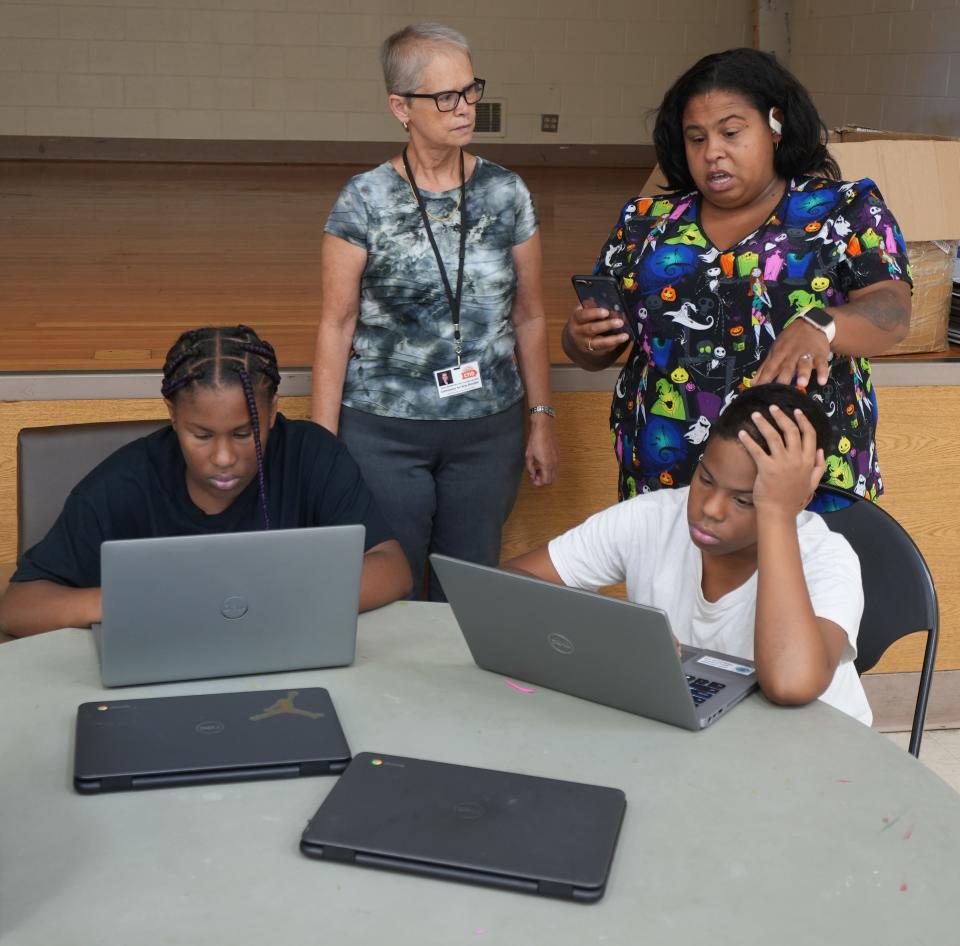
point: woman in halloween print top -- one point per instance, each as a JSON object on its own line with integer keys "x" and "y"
{"x": 720, "y": 278}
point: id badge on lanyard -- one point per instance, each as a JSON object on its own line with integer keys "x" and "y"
{"x": 459, "y": 378}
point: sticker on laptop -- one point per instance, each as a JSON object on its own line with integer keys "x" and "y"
{"x": 726, "y": 665}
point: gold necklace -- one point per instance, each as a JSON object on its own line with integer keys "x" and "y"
{"x": 445, "y": 219}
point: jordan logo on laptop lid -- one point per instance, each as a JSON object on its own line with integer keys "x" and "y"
{"x": 285, "y": 706}
{"x": 213, "y": 737}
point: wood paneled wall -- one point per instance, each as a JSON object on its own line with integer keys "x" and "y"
{"x": 919, "y": 452}
{"x": 917, "y": 446}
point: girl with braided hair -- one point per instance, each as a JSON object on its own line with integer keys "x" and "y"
{"x": 228, "y": 462}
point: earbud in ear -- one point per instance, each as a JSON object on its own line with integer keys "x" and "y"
{"x": 774, "y": 124}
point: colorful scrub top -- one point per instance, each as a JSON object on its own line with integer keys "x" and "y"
{"x": 405, "y": 329}
{"x": 707, "y": 317}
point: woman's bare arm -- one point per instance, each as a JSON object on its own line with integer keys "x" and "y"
{"x": 341, "y": 267}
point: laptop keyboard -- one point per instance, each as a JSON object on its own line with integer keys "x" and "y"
{"x": 701, "y": 690}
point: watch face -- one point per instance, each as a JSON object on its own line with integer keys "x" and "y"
{"x": 819, "y": 317}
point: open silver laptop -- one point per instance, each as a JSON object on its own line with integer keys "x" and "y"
{"x": 597, "y": 648}
{"x": 185, "y": 607}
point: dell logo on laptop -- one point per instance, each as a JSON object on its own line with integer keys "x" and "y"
{"x": 234, "y": 607}
{"x": 469, "y": 810}
{"x": 562, "y": 645}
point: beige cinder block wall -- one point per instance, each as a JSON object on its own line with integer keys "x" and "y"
{"x": 308, "y": 70}
{"x": 881, "y": 63}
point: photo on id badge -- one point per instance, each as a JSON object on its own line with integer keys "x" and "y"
{"x": 458, "y": 379}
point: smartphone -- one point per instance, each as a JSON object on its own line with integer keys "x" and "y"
{"x": 605, "y": 292}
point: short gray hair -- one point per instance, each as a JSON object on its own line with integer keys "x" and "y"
{"x": 405, "y": 54}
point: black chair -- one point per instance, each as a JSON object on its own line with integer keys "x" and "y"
{"x": 52, "y": 460}
{"x": 899, "y": 595}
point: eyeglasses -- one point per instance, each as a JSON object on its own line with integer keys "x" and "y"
{"x": 448, "y": 101}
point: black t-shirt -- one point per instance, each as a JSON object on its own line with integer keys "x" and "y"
{"x": 140, "y": 491}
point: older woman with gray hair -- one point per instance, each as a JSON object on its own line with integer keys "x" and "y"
{"x": 432, "y": 327}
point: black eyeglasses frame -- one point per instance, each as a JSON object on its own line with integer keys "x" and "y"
{"x": 460, "y": 94}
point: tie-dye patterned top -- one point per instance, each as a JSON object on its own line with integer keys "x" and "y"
{"x": 405, "y": 329}
{"x": 707, "y": 318}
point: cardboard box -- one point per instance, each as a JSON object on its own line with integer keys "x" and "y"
{"x": 919, "y": 178}
{"x": 862, "y": 133}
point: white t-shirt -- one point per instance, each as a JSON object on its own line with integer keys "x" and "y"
{"x": 646, "y": 543}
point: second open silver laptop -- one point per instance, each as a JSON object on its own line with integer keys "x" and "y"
{"x": 588, "y": 645}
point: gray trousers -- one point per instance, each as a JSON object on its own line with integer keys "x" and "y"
{"x": 444, "y": 486}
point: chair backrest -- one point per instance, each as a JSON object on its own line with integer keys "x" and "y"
{"x": 899, "y": 594}
{"x": 900, "y": 597}
{"x": 52, "y": 460}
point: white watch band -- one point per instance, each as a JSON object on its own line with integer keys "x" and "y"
{"x": 829, "y": 330}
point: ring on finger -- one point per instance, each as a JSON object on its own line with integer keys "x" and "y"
{"x": 806, "y": 354}
{"x": 589, "y": 345}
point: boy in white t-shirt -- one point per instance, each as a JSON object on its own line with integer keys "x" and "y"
{"x": 734, "y": 559}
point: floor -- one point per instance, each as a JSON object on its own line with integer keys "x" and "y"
{"x": 939, "y": 751}
{"x": 104, "y": 264}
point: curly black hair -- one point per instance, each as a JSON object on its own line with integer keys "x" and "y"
{"x": 738, "y": 414}
{"x": 760, "y": 79}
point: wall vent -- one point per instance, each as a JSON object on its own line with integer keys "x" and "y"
{"x": 490, "y": 118}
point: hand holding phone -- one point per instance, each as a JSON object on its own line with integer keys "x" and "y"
{"x": 604, "y": 293}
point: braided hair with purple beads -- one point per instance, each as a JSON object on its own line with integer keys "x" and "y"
{"x": 216, "y": 357}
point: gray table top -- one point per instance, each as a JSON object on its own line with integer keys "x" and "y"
{"x": 788, "y": 826}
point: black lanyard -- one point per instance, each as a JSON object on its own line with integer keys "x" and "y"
{"x": 454, "y": 300}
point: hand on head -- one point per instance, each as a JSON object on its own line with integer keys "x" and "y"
{"x": 790, "y": 472}
{"x": 800, "y": 351}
